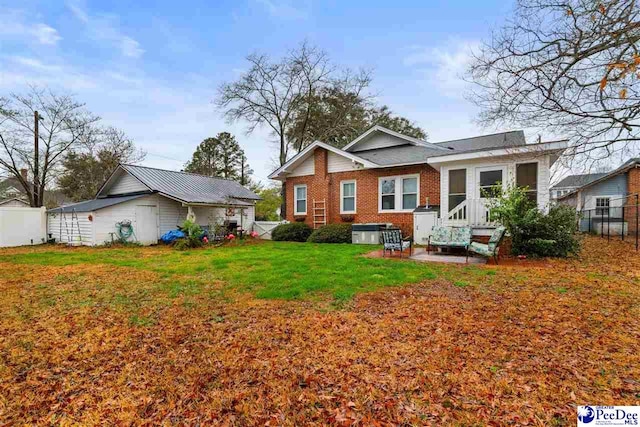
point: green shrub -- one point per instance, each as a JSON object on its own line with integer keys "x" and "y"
{"x": 331, "y": 233}
{"x": 532, "y": 232}
{"x": 291, "y": 232}
{"x": 193, "y": 236}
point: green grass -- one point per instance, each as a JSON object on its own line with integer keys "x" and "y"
{"x": 268, "y": 270}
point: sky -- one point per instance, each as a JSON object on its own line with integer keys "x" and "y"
{"x": 153, "y": 69}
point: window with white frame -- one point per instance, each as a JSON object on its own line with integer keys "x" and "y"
{"x": 527, "y": 178}
{"x": 347, "y": 197}
{"x": 399, "y": 193}
{"x": 602, "y": 205}
{"x": 489, "y": 181}
{"x": 300, "y": 199}
{"x": 457, "y": 187}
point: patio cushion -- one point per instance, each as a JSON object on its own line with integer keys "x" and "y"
{"x": 496, "y": 237}
{"x": 481, "y": 249}
{"x": 440, "y": 236}
{"x": 460, "y": 236}
{"x": 397, "y": 246}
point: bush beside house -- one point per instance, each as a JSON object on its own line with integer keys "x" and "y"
{"x": 331, "y": 233}
{"x": 533, "y": 232}
{"x": 291, "y": 232}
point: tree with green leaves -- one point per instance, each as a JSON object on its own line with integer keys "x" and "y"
{"x": 221, "y": 156}
{"x": 267, "y": 208}
{"x": 85, "y": 169}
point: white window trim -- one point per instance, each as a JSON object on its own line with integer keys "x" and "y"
{"x": 398, "y": 193}
{"x": 355, "y": 196}
{"x": 505, "y": 177}
{"x": 604, "y": 208}
{"x": 295, "y": 199}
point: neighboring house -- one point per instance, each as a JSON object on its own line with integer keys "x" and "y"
{"x": 154, "y": 201}
{"x": 14, "y": 203}
{"x": 383, "y": 176}
{"x": 11, "y": 189}
{"x": 602, "y": 199}
{"x": 571, "y": 183}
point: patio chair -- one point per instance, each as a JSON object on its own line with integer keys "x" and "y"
{"x": 492, "y": 248}
{"x": 451, "y": 237}
{"x": 393, "y": 241}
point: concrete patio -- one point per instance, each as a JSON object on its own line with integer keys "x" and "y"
{"x": 421, "y": 254}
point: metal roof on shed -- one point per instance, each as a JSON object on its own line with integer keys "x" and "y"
{"x": 94, "y": 205}
{"x": 192, "y": 188}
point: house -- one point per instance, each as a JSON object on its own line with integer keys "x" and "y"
{"x": 383, "y": 176}
{"x": 154, "y": 201}
{"x": 572, "y": 183}
{"x": 12, "y": 193}
{"x": 14, "y": 202}
{"x": 611, "y": 198}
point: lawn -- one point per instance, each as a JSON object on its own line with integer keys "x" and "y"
{"x": 291, "y": 334}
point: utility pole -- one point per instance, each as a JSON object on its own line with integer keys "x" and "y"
{"x": 242, "y": 170}
{"x": 36, "y": 161}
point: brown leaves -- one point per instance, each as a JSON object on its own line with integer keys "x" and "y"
{"x": 521, "y": 345}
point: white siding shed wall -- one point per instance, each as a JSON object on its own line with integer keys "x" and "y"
{"x": 307, "y": 167}
{"x": 58, "y": 228}
{"x": 126, "y": 184}
{"x": 104, "y": 220}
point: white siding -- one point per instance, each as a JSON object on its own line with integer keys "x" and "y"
{"x": 171, "y": 214}
{"x": 378, "y": 140}
{"x": 307, "y": 167}
{"x": 124, "y": 184}
{"x": 338, "y": 163}
{"x": 104, "y": 220}
{"x": 59, "y": 224}
{"x": 506, "y": 162}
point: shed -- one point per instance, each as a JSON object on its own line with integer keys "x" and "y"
{"x": 154, "y": 201}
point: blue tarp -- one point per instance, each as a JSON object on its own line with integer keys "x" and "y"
{"x": 171, "y": 236}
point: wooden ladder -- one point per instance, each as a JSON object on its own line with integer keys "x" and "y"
{"x": 319, "y": 213}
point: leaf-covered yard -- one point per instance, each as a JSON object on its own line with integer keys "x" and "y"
{"x": 291, "y": 334}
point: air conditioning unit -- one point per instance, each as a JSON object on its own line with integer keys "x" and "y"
{"x": 368, "y": 234}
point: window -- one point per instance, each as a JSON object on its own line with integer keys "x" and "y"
{"x": 388, "y": 191}
{"x": 300, "y": 199}
{"x": 602, "y": 206}
{"x": 348, "y": 197}
{"x": 399, "y": 193}
{"x": 488, "y": 180}
{"x": 527, "y": 177}
{"x": 409, "y": 193}
{"x": 457, "y": 187}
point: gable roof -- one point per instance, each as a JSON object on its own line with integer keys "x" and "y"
{"x": 188, "y": 187}
{"x": 416, "y": 151}
{"x": 382, "y": 129}
{"x": 578, "y": 180}
{"x": 308, "y": 151}
{"x": 629, "y": 164}
{"x": 14, "y": 199}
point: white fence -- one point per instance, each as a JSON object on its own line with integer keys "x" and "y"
{"x": 22, "y": 226}
{"x": 264, "y": 228}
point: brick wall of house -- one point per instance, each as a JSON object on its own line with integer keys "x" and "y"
{"x": 633, "y": 187}
{"x": 326, "y": 186}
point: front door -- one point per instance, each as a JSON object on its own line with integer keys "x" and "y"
{"x": 146, "y": 227}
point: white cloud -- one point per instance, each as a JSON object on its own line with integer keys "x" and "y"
{"x": 105, "y": 28}
{"x": 15, "y": 24}
{"x": 443, "y": 67}
{"x": 284, "y": 9}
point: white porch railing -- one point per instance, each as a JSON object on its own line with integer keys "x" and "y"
{"x": 471, "y": 212}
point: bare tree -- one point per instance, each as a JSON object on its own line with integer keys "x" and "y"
{"x": 64, "y": 123}
{"x": 569, "y": 67}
